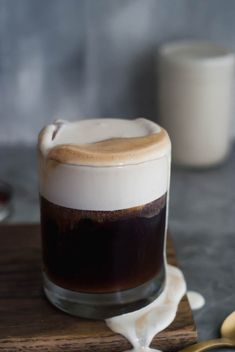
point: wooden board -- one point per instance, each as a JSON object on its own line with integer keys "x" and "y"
{"x": 28, "y": 322}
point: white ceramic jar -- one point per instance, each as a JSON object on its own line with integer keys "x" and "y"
{"x": 195, "y": 99}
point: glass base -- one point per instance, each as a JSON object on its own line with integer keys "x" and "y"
{"x": 103, "y": 305}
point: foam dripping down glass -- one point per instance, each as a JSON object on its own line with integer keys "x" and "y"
{"x": 104, "y": 186}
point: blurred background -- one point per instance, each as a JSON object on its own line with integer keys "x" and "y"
{"x": 84, "y": 58}
{"x": 74, "y": 59}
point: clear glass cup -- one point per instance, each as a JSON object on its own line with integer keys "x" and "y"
{"x": 103, "y": 234}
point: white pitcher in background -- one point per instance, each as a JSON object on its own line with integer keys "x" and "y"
{"x": 195, "y": 100}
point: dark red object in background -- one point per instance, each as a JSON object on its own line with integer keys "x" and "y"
{"x": 5, "y": 200}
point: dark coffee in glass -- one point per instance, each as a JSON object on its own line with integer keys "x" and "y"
{"x": 103, "y": 215}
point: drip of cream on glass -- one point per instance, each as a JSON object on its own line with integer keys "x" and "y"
{"x": 140, "y": 327}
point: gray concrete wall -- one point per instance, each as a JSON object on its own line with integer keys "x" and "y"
{"x": 83, "y": 58}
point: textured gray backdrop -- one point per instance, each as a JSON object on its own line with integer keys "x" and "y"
{"x": 83, "y": 58}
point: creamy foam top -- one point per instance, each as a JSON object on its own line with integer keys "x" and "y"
{"x": 104, "y": 164}
{"x": 103, "y": 142}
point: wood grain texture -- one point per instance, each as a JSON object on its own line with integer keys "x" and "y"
{"x": 28, "y": 322}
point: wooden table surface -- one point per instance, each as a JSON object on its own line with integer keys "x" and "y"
{"x": 28, "y": 322}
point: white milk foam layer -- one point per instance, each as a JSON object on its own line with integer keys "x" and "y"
{"x": 105, "y": 188}
{"x": 102, "y": 187}
{"x": 140, "y": 327}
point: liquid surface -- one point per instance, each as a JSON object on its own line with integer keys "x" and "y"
{"x": 139, "y": 327}
{"x": 103, "y": 141}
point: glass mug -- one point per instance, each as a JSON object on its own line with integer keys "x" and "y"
{"x": 104, "y": 202}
